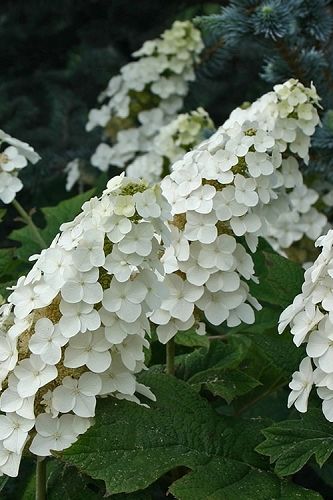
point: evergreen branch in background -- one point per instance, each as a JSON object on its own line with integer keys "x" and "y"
{"x": 274, "y": 40}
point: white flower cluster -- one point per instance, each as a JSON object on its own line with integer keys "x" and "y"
{"x": 76, "y": 326}
{"x": 288, "y": 113}
{"x": 170, "y": 144}
{"x": 147, "y": 94}
{"x": 291, "y": 214}
{"x": 311, "y": 320}
{"x": 220, "y": 192}
{"x": 13, "y": 158}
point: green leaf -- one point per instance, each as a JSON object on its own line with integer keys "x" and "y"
{"x": 223, "y": 479}
{"x": 218, "y": 355}
{"x": 21, "y": 487}
{"x": 29, "y": 245}
{"x": 291, "y": 443}
{"x": 240, "y": 438}
{"x": 54, "y": 217}
{"x": 279, "y": 350}
{"x": 9, "y": 269}
{"x": 6, "y": 255}
{"x": 29, "y": 492}
{"x": 63, "y": 483}
{"x": 3, "y": 481}
{"x": 271, "y": 360}
{"x": 138, "y": 495}
{"x": 191, "y": 339}
{"x": 130, "y": 447}
{"x": 3, "y": 212}
{"x": 66, "y": 483}
{"x": 223, "y": 383}
{"x": 280, "y": 279}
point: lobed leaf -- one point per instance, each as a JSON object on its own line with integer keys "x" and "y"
{"x": 226, "y": 384}
{"x": 292, "y": 443}
{"x": 225, "y": 479}
{"x": 280, "y": 279}
{"x": 131, "y": 446}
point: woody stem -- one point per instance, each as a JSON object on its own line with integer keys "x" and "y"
{"x": 41, "y": 479}
{"x": 170, "y": 357}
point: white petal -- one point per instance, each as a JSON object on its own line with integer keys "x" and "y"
{"x": 85, "y": 406}
{"x": 63, "y": 400}
{"x": 69, "y": 325}
{"x": 98, "y": 362}
{"x": 41, "y": 446}
{"x": 72, "y": 292}
{"x": 89, "y": 384}
{"x": 11, "y": 467}
{"x": 6, "y": 427}
{"x": 75, "y": 357}
{"x": 16, "y": 441}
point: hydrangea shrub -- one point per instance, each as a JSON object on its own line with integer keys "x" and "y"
{"x": 189, "y": 262}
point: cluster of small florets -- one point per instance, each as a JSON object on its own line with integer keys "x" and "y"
{"x": 291, "y": 213}
{"x": 146, "y": 95}
{"x": 171, "y": 143}
{"x": 290, "y": 114}
{"x": 219, "y": 192}
{"x": 310, "y": 317}
{"x": 14, "y": 156}
{"x": 76, "y": 326}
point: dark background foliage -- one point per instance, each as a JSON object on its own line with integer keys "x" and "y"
{"x": 58, "y": 56}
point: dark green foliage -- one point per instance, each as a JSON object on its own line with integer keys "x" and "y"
{"x": 180, "y": 429}
{"x": 65, "y": 211}
{"x": 280, "y": 279}
{"x": 56, "y": 57}
{"x": 292, "y": 443}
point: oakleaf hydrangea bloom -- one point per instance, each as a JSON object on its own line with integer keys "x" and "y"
{"x": 14, "y": 156}
{"x": 145, "y": 96}
{"x": 220, "y": 191}
{"x": 310, "y": 317}
{"x": 290, "y": 214}
{"x": 76, "y": 327}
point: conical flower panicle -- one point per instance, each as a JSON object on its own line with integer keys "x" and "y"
{"x": 146, "y": 95}
{"x": 76, "y": 327}
{"x": 290, "y": 113}
{"x": 222, "y": 191}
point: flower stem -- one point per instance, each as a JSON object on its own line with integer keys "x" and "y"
{"x": 29, "y": 222}
{"x": 170, "y": 357}
{"x": 41, "y": 479}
